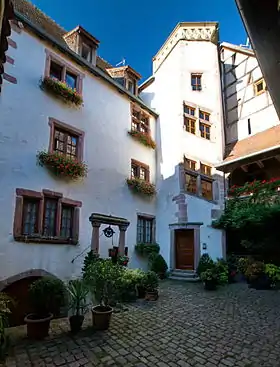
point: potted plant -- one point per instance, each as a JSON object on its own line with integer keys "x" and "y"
{"x": 46, "y": 295}
{"x": 104, "y": 282}
{"x": 210, "y": 278}
{"x": 257, "y": 277}
{"x": 122, "y": 260}
{"x": 273, "y": 273}
{"x": 158, "y": 265}
{"x": 77, "y": 297}
{"x": 150, "y": 283}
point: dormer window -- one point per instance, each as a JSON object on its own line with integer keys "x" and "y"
{"x": 126, "y": 76}
{"x": 131, "y": 85}
{"x": 86, "y": 52}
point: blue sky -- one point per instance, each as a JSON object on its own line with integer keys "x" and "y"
{"x": 136, "y": 31}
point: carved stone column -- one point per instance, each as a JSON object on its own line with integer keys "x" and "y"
{"x": 122, "y": 239}
{"x": 95, "y": 237}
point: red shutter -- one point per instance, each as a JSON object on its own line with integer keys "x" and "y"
{"x": 18, "y": 217}
{"x": 76, "y": 221}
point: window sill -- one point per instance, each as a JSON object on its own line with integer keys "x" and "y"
{"x": 42, "y": 239}
{"x": 201, "y": 197}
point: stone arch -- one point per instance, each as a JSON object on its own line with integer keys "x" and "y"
{"x": 17, "y": 287}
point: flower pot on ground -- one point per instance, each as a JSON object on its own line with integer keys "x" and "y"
{"x": 46, "y": 295}
{"x": 150, "y": 282}
{"x": 256, "y": 276}
{"x": 104, "y": 281}
{"x": 77, "y": 296}
{"x": 210, "y": 278}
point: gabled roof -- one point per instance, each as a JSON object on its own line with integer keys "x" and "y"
{"x": 47, "y": 29}
{"x": 244, "y": 50}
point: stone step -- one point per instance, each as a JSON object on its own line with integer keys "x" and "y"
{"x": 185, "y": 275}
{"x": 184, "y": 279}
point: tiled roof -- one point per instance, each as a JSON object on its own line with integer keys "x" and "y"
{"x": 257, "y": 143}
{"x": 37, "y": 17}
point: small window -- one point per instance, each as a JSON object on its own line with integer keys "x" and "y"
{"x": 259, "y": 86}
{"x": 50, "y": 210}
{"x": 65, "y": 143}
{"x": 86, "y": 52}
{"x": 191, "y": 183}
{"x": 66, "y": 228}
{"x": 30, "y": 216}
{"x": 196, "y": 81}
{"x": 204, "y": 130}
{"x": 71, "y": 80}
{"x": 56, "y": 71}
{"x": 204, "y": 115}
{"x": 131, "y": 86}
{"x": 189, "y": 125}
{"x": 206, "y": 189}
{"x": 140, "y": 121}
{"x": 189, "y": 110}
{"x": 140, "y": 170}
{"x": 205, "y": 170}
{"x": 145, "y": 230}
{"x": 189, "y": 164}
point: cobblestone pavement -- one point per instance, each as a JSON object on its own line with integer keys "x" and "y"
{"x": 187, "y": 326}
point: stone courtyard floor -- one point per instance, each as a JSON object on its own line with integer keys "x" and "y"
{"x": 187, "y": 326}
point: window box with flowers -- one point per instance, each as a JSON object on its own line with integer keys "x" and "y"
{"x": 140, "y": 127}
{"x": 139, "y": 181}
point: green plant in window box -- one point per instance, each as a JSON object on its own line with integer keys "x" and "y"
{"x": 62, "y": 165}
{"x": 141, "y": 186}
{"x": 62, "y": 90}
{"x": 145, "y": 249}
{"x": 143, "y": 138}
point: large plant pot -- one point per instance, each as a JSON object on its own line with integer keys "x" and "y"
{"x": 76, "y": 322}
{"x": 37, "y": 328}
{"x": 210, "y": 285}
{"x": 141, "y": 292}
{"x": 101, "y": 317}
{"x": 260, "y": 283}
{"x": 151, "y": 296}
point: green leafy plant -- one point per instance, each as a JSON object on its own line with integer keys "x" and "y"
{"x": 150, "y": 281}
{"x": 122, "y": 260}
{"x": 104, "y": 280}
{"x": 158, "y": 265}
{"x": 62, "y": 165}
{"x": 210, "y": 275}
{"x": 222, "y": 271}
{"x": 77, "y": 296}
{"x": 90, "y": 258}
{"x": 141, "y": 186}
{"x": 143, "y": 138}
{"x": 243, "y": 263}
{"x": 131, "y": 280}
{"x": 5, "y": 305}
{"x": 62, "y": 90}
{"x": 205, "y": 262}
{"x": 145, "y": 249}
{"x": 273, "y": 273}
{"x": 47, "y": 295}
{"x": 255, "y": 270}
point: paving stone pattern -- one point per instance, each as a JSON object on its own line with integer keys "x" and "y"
{"x": 186, "y": 327}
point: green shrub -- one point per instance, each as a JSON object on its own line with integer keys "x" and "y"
{"x": 150, "y": 281}
{"x": 145, "y": 249}
{"x": 273, "y": 273}
{"x": 222, "y": 271}
{"x": 77, "y": 296}
{"x": 46, "y": 295}
{"x": 243, "y": 264}
{"x": 205, "y": 263}
{"x": 130, "y": 280}
{"x": 255, "y": 270}
{"x": 210, "y": 275}
{"x": 90, "y": 258}
{"x": 158, "y": 265}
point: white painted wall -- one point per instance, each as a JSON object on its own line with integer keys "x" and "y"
{"x": 24, "y": 130}
{"x": 240, "y": 73}
{"x": 166, "y": 94}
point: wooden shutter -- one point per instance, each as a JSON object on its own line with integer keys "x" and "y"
{"x": 76, "y": 222}
{"x": 18, "y": 217}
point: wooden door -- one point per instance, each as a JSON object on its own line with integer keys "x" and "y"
{"x": 184, "y": 244}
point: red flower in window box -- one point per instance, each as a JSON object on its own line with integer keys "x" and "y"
{"x": 255, "y": 187}
{"x": 62, "y": 90}
{"x": 143, "y": 138}
{"x": 141, "y": 186}
{"x": 59, "y": 164}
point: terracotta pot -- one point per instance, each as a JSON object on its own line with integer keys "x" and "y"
{"x": 151, "y": 296}
{"x": 37, "y": 328}
{"x": 101, "y": 317}
{"x": 76, "y": 322}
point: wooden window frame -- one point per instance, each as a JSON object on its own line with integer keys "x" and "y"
{"x": 139, "y": 122}
{"x": 191, "y": 109}
{"x": 210, "y": 181}
{"x": 203, "y": 119}
{"x": 257, "y": 83}
{"x": 23, "y": 194}
{"x": 190, "y": 125}
{"x": 196, "y": 87}
{"x": 55, "y": 124}
{"x": 207, "y": 168}
{"x": 187, "y": 166}
{"x": 66, "y": 66}
{"x": 140, "y": 165}
{"x": 202, "y": 133}
{"x": 193, "y": 175}
{"x": 151, "y": 219}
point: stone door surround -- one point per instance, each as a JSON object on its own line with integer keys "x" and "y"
{"x": 189, "y": 225}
